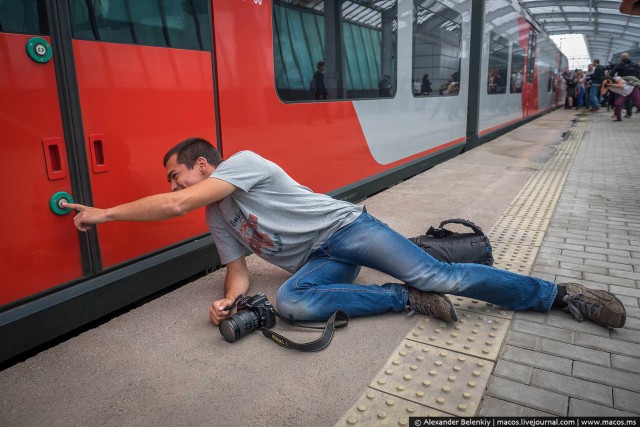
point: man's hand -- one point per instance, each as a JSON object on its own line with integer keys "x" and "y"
{"x": 217, "y": 310}
{"x": 86, "y": 216}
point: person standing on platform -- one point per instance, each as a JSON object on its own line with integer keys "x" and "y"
{"x": 625, "y": 68}
{"x": 624, "y": 91}
{"x": 570, "y": 80}
{"x": 596, "y": 82}
{"x": 252, "y": 205}
{"x": 580, "y": 89}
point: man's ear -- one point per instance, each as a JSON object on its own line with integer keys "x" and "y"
{"x": 201, "y": 163}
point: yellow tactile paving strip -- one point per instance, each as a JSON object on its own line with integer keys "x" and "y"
{"x": 441, "y": 369}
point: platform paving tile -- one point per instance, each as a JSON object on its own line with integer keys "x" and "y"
{"x": 524, "y": 340}
{"x": 584, "y": 255}
{"x": 526, "y": 395}
{"x": 532, "y": 316}
{"x": 626, "y": 363}
{"x": 375, "y": 408}
{"x": 564, "y": 320}
{"x": 574, "y": 387}
{"x": 582, "y": 267}
{"x": 513, "y": 371}
{"x": 609, "y": 376}
{"x": 542, "y": 330}
{"x": 626, "y": 400}
{"x": 537, "y": 359}
{"x": 632, "y": 275}
{"x": 632, "y": 322}
{"x": 610, "y": 280}
{"x": 539, "y": 270}
{"x": 624, "y": 290}
{"x": 581, "y": 408}
{"x": 445, "y": 380}
{"x": 626, "y": 334}
{"x": 492, "y": 407}
{"x": 543, "y": 254}
{"x": 629, "y": 246}
{"x": 629, "y": 302}
{"x": 611, "y": 345}
{"x": 634, "y": 260}
{"x": 587, "y": 243}
{"x": 575, "y": 352}
{"x": 607, "y": 264}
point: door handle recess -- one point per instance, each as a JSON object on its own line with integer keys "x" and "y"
{"x": 98, "y": 159}
{"x": 55, "y": 158}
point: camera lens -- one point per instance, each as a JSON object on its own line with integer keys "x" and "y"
{"x": 240, "y": 324}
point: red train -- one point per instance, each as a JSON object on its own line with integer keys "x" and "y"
{"x": 94, "y": 93}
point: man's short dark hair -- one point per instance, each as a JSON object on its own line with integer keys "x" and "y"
{"x": 190, "y": 149}
{"x": 596, "y": 61}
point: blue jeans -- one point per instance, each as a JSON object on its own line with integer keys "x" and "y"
{"x": 594, "y": 94}
{"x": 325, "y": 283}
{"x": 580, "y": 96}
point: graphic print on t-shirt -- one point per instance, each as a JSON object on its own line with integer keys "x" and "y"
{"x": 259, "y": 242}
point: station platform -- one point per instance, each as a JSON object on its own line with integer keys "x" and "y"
{"x": 559, "y": 198}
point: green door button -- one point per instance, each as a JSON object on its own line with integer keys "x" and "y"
{"x": 56, "y": 199}
{"x": 39, "y": 49}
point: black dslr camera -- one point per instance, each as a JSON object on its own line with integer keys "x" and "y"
{"x": 253, "y": 313}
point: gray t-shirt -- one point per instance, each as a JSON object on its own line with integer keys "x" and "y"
{"x": 272, "y": 215}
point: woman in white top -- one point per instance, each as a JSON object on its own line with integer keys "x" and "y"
{"x": 619, "y": 86}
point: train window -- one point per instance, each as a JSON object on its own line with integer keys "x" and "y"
{"x": 334, "y": 50}
{"x": 23, "y": 17}
{"x": 163, "y": 23}
{"x": 437, "y": 52}
{"x": 498, "y": 62}
{"x": 517, "y": 68}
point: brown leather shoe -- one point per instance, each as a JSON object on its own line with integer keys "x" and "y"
{"x": 432, "y": 304}
{"x": 601, "y": 307}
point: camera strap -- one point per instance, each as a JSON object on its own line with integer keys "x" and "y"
{"x": 339, "y": 319}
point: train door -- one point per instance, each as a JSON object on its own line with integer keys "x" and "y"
{"x": 39, "y": 248}
{"x": 144, "y": 72}
{"x": 133, "y": 79}
{"x": 531, "y": 86}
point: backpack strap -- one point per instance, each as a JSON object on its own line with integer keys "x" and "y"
{"x": 477, "y": 230}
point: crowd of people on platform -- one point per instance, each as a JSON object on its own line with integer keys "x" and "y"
{"x": 613, "y": 86}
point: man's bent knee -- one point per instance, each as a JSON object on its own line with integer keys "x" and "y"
{"x": 292, "y": 305}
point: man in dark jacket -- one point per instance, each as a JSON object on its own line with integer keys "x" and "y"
{"x": 317, "y": 84}
{"x": 596, "y": 82}
{"x": 625, "y": 68}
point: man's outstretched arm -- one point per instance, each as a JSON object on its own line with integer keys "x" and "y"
{"x": 156, "y": 207}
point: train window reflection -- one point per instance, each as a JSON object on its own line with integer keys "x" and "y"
{"x": 23, "y": 17}
{"x": 498, "y": 62}
{"x": 517, "y": 68}
{"x": 437, "y": 39}
{"x": 334, "y": 50}
{"x": 163, "y": 23}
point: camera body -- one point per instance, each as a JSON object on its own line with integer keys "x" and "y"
{"x": 253, "y": 312}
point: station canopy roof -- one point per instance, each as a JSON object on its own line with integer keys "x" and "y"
{"x": 605, "y": 29}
